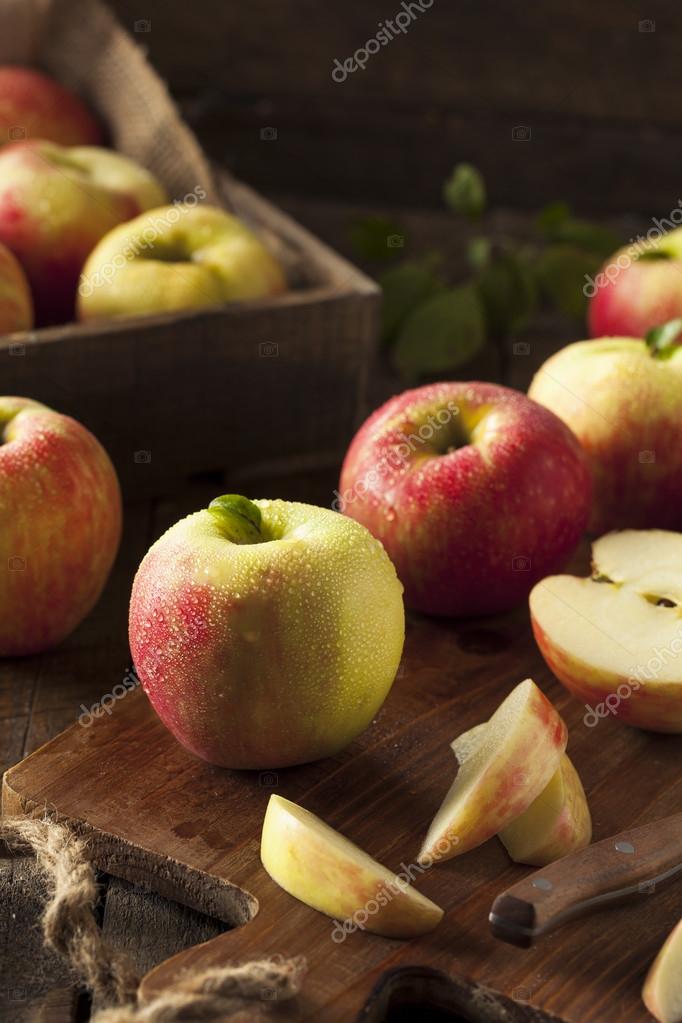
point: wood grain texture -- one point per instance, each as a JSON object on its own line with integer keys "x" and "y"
{"x": 159, "y": 816}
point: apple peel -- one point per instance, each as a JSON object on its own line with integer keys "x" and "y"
{"x": 662, "y": 991}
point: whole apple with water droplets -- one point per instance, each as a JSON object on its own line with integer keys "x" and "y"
{"x": 266, "y": 633}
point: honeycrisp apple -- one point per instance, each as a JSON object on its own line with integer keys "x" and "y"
{"x": 474, "y": 491}
{"x": 35, "y": 106}
{"x": 622, "y": 398}
{"x": 55, "y": 205}
{"x": 638, "y": 288}
{"x": 662, "y": 991}
{"x": 503, "y": 774}
{"x": 320, "y": 867}
{"x": 60, "y": 524}
{"x": 615, "y": 639}
{"x": 555, "y": 824}
{"x": 16, "y": 306}
{"x": 266, "y": 633}
{"x": 177, "y": 257}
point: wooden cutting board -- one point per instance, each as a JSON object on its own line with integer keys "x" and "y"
{"x": 190, "y": 831}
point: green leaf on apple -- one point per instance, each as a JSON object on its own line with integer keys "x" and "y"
{"x": 377, "y": 238}
{"x": 560, "y": 271}
{"x": 404, "y": 288}
{"x": 507, "y": 291}
{"x": 444, "y": 332}
{"x": 464, "y": 191}
{"x": 665, "y": 339}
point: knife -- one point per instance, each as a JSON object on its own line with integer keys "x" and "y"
{"x": 632, "y": 863}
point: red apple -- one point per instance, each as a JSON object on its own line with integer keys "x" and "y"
{"x": 35, "y": 106}
{"x": 638, "y": 288}
{"x": 60, "y": 524}
{"x": 475, "y": 491}
{"x": 56, "y": 204}
{"x": 16, "y": 306}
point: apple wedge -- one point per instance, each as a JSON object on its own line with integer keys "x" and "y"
{"x": 555, "y": 824}
{"x": 328, "y": 872}
{"x": 615, "y": 639}
{"x": 511, "y": 765}
{"x": 662, "y": 991}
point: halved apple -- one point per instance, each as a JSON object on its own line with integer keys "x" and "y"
{"x": 662, "y": 991}
{"x": 328, "y": 872}
{"x": 510, "y": 766}
{"x": 615, "y": 639}
{"x": 555, "y": 824}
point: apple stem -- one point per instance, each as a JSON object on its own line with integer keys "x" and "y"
{"x": 239, "y": 518}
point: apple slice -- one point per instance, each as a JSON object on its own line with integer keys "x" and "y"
{"x": 320, "y": 867}
{"x": 615, "y": 639}
{"x": 555, "y": 824}
{"x": 511, "y": 765}
{"x": 662, "y": 991}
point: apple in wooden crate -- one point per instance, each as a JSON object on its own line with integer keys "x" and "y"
{"x": 330, "y": 873}
{"x": 16, "y": 305}
{"x": 615, "y": 638}
{"x": 503, "y": 774}
{"x": 35, "y": 106}
{"x": 474, "y": 491}
{"x": 638, "y": 288}
{"x": 60, "y": 516}
{"x": 55, "y": 205}
{"x": 622, "y": 398}
{"x": 662, "y": 991}
{"x": 266, "y": 633}
{"x": 555, "y": 824}
{"x": 184, "y": 256}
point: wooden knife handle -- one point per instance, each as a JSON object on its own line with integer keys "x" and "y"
{"x": 632, "y": 863}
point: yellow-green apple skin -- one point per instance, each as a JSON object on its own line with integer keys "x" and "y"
{"x": 555, "y": 824}
{"x": 271, "y": 646}
{"x": 174, "y": 258}
{"x": 638, "y": 289}
{"x": 35, "y": 106}
{"x": 16, "y": 305}
{"x": 328, "y": 872}
{"x": 500, "y": 778}
{"x": 662, "y": 991}
{"x": 60, "y": 525}
{"x": 614, "y": 639}
{"x": 623, "y": 401}
{"x": 56, "y": 203}
{"x": 474, "y": 491}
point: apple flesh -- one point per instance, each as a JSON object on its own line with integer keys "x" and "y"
{"x": 474, "y": 491}
{"x": 60, "y": 524}
{"x": 35, "y": 106}
{"x": 322, "y": 868}
{"x": 499, "y": 780}
{"x": 623, "y": 400}
{"x": 615, "y": 639}
{"x": 16, "y": 305}
{"x": 266, "y": 633}
{"x": 555, "y": 824}
{"x": 643, "y": 293}
{"x": 55, "y": 205}
{"x": 662, "y": 991}
{"x": 174, "y": 258}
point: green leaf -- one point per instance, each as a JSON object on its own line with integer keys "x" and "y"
{"x": 561, "y": 271}
{"x": 442, "y": 333}
{"x": 377, "y": 238}
{"x": 464, "y": 191}
{"x": 665, "y": 339}
{"x": 557, "y": 225}
{"x": 479, "y": 252}
{"x": 508, "y": 292}
{"x": 552, "y": 216}
{"x": 404, "y": 287}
